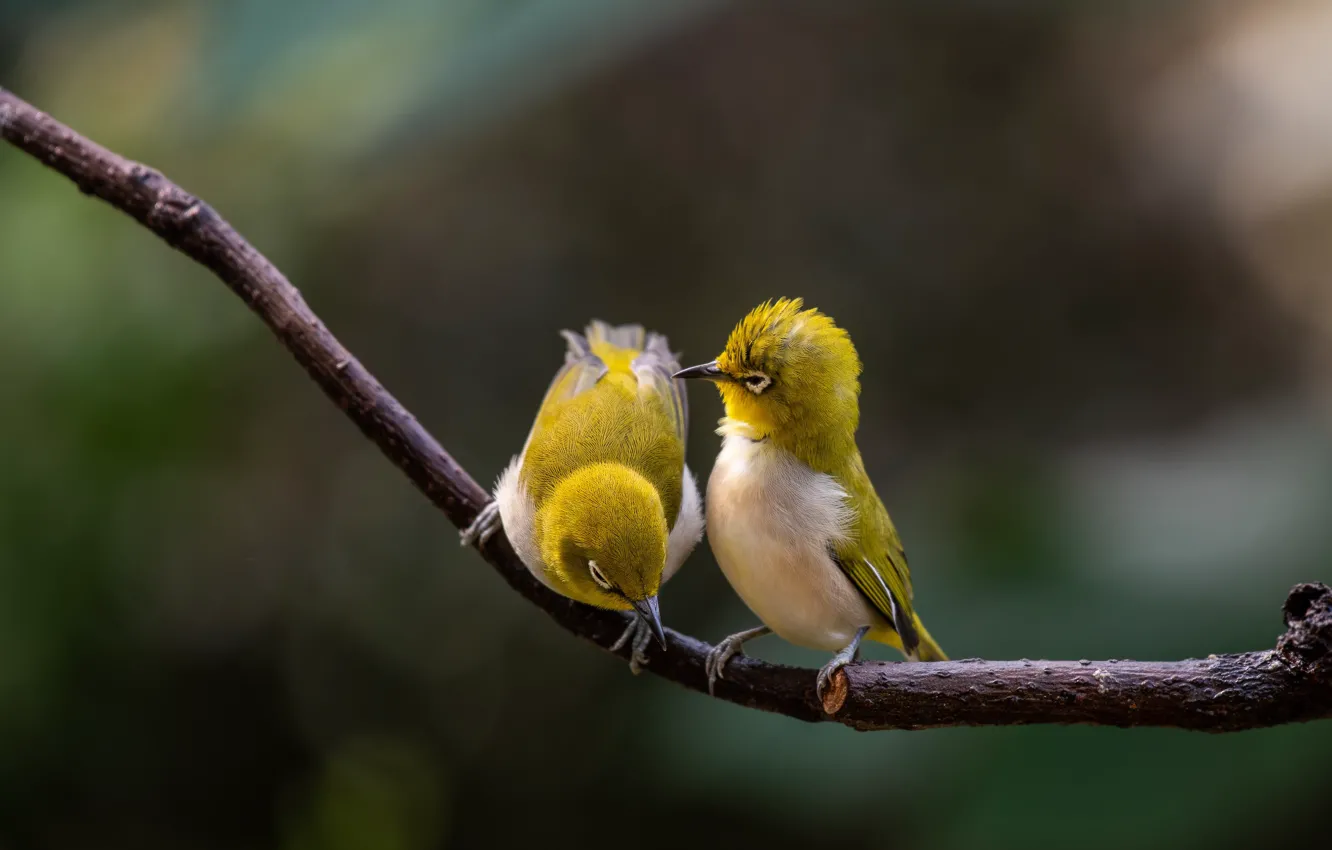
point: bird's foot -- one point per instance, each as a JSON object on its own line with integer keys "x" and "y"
{"x": 727, "y": 649}
{"x": 637, "y": 635}
{"x": 849, "y": 654}
{"x": 485, "y": 525}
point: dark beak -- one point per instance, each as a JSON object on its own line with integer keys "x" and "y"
{"x": 703, "y": 370}
{"x": 649, "y": 613}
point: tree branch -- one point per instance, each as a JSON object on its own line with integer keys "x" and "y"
{"x": 1220, "y": 693}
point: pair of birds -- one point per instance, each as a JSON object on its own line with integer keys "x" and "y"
{"x": 601, "y": 507}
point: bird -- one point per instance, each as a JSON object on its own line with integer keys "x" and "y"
{"x": 600, "y": 505}
{"x": 792, "y": 517}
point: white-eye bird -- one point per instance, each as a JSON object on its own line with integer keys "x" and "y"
{"x": 600, "y": 505}
{"x": 792, "y": 517}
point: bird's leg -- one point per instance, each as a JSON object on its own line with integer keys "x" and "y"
{"x": 485, "y": 525}
{"x": 638, "y": 635}
{"x": 641, "y": 641}
{"x": 849, "y": 653}
{"x": 726, "y": 650}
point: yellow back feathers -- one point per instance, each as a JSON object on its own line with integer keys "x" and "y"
{"x": 603, "y": 466}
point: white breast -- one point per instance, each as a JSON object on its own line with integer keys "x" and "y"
{"x": 771, "y": 520}
{"x": 688, "y": 528}
{"x": 518, "y": 514}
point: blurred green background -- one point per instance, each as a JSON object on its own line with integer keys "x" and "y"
{"x": 1083, "y": 250}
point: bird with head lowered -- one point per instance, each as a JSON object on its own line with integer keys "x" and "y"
{"x": 599, "y": 505}
{"x": 792, "y": 517}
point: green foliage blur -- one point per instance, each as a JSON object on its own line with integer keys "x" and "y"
{"x": 1094, "y": 400}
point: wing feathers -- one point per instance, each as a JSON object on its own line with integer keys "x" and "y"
{"x": 654, "y": 367}
{"x": 603, "y": 348}
{"x": 884, "y": 592}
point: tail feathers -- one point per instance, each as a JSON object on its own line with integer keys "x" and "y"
{"x": 657, "y": 354}
{"x": 632, "y": 349}
{"x": 927, "y": 649}
{"x": 654, "y": 367}
{"x": 599, "y": 335}
{"x": 577, "y": 346}
{"x": 657, "y": 346}
{"x": 628, "y": 337}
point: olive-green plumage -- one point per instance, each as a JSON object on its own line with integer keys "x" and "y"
{"x": 599, "y": 505}
{"x": 596, "y": 413}
{"x": 789, "y": 378}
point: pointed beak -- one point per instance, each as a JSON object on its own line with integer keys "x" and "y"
{"x": 708, "y": 371}
{"x": 648, "y": 611}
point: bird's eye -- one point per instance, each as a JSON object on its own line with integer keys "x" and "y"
{"x": 757, "y": 382}
{"x": 598, "y": 576}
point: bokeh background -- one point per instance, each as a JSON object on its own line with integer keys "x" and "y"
{"x": 1083, "y": 248}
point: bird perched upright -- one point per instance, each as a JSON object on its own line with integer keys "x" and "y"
{"x": 600, "y": 505}
{"x": 792, "y": 517}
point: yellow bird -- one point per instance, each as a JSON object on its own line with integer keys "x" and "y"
{"x": 792, "y": 517}
{"x": 600, "y": 505}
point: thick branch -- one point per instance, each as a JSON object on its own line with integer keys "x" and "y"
{"x": 1220, "y": 693}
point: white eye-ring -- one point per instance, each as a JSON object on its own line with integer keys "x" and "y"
{"x": 598, "y": 576}
{"x": 756, "y": 382}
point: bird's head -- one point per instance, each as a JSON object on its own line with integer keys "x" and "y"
{"x": 604, "y": 531}
{"x": 787, "y": 373}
